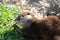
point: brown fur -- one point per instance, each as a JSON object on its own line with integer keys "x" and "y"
{"x": 42, "y": 29}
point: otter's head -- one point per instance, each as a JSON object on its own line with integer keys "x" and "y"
{"x": 24, "y": 19}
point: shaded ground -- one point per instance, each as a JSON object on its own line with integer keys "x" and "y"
{"x": 13, "y": 35}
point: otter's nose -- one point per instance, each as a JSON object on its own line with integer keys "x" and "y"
{"x": 18, "y": 18}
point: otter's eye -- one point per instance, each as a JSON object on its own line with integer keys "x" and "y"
{"x": 22, "y": 15}
{"x": 28, "y": 13}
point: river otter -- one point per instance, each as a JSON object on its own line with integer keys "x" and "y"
{"x": 38, "y": 28}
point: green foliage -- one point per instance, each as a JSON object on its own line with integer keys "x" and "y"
{"x": 8, "y": 13}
